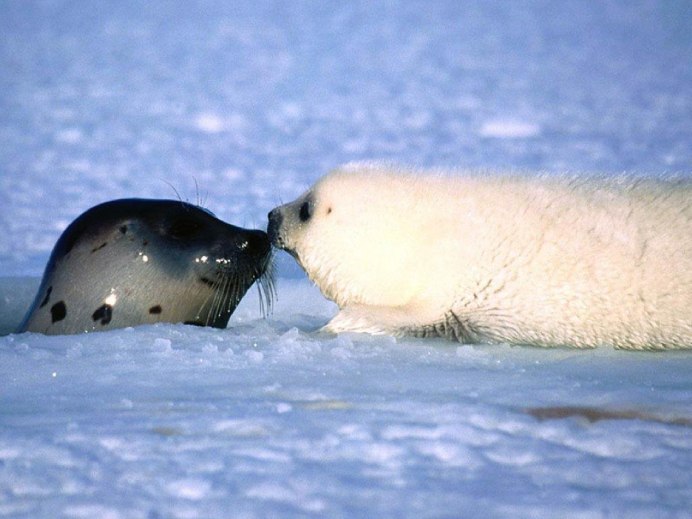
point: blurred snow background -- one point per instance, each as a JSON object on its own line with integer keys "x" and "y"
{"x": 242, "y": 105}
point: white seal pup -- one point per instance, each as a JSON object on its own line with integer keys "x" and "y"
{"x": 502, "y": 258}
{"x": 135, "y": 261}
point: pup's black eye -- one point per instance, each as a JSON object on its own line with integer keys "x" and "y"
{"x": 305, "y": 212}
{"x": 184, "y": 228}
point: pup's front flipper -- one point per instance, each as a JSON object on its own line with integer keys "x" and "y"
{"x": 380, "y": 320}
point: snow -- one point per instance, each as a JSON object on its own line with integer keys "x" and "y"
{"x": 509, "y": 129}
{"x": 241, "y": 106}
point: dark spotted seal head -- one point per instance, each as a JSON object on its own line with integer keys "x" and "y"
{"x": 136, "y": 261}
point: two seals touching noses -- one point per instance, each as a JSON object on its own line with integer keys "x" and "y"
{"x": 539, "y": 260}
{"x": 135, "y": 261}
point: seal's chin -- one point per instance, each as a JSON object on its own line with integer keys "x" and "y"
{"x": 276, "y": 238}
{"x": 228, "y": 284}
{"x": 294, "y": 255}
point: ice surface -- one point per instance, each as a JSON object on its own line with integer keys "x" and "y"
{"x": 270, "y": 418}
{"x": 242, "y": 106}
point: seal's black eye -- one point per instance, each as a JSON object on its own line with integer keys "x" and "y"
{"x": 184, "y": 228}
{"x": 305, "y": 211}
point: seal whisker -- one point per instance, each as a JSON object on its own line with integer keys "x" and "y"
{"x": 237, "y": 290}
{"x": 211, "y": 303}
{"x": 220, "y": 297}
{"x": 266, "y": 290}
{"x": 201, "y": 200}
{"x": 263, "y": 299}
{"x": 208, "y": 302}
{"x": 214, "y": 300}
{"x": 177, "y": 193}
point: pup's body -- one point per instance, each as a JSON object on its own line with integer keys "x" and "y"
{"x": 547, "y": 261}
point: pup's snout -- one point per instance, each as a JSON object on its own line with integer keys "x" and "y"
{"x": 273, "y": 227}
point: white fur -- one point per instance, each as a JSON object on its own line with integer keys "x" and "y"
{"x": 540, "y": 260}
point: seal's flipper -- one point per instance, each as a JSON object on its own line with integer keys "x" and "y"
{"x": 377, "y": 320}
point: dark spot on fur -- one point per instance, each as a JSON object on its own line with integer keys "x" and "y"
{"x": 155, "y": 310}
{"x": 99, "y": 247}
{"x": 329, "y": 210}
{"x": 47, "y": 298}
{"x": 103, "y": 314}
{"x": 58, "y": 311}
{"x": 207, "y": 282}
{"x": 123, "y": 229}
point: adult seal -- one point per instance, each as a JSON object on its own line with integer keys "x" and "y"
{"x": 498, "y": 258}
{"x": 135, "y": 261}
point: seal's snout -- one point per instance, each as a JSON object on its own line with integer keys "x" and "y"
{"x": 275, "y": 219}
{"x": 255, "y": 243}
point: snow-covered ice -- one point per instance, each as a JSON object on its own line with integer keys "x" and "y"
{"x": 242, "y": 105}
{"x": 270, "y": 419}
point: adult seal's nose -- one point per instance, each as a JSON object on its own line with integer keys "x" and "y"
{"x": 255, "y": 243}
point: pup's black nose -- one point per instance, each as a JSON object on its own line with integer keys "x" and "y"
{"x": 275, "y": 218}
